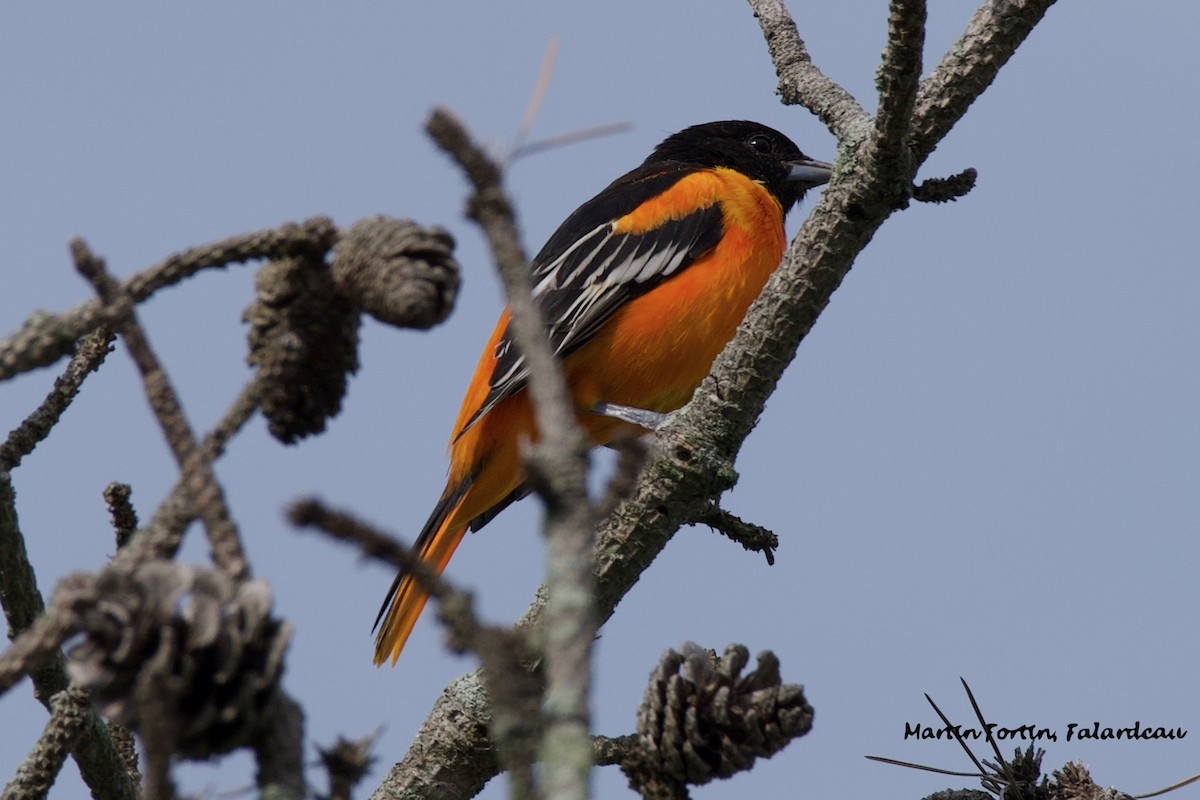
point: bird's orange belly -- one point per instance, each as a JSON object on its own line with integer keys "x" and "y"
{"x": 657, "y": 350}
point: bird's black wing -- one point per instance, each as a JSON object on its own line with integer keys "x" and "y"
{"x": 587, "y": 270}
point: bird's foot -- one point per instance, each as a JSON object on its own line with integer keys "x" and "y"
{"x": 650, "y": 420}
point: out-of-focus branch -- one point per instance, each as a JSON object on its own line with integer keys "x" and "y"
{"x": 45, "y": 338}
{"x": 69, "y": 714}
{"x": 207, "y": 497}
{"x": 99, "y": 762}
{"x": 160, "y": 539}
{"x": 514, "y": 687}
{"x": 21, "y": 441}
{"x": 162, "y": 536}
{"x": 120, "y": 510}
{"x": 347, "y": 763}
{"x": 459, "y": 614}
{"x": 557, "y": 470}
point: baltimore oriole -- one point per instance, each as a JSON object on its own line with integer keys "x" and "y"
{"x": 641, "y": 287}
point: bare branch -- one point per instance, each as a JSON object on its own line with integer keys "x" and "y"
{"x": 22, "y": 600}
{"x": 800, "y": 81}
{"x": 612, "y": 750}
{"x": 897, "y": 81}
{"x": 969, "y": 67}
{"x": 37, "y": 773}
{"x": 37, "y": 426}
{"x": 162, "y": 536}
{"x": 207, "y": 495}
{"x": 557, "y": 470}
{"x": 45, "y": 338}
{"x": 347, "y": 763}
{"x": 38, "y": 642}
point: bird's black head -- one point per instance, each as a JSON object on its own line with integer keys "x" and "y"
{"x": 760, "y": 152}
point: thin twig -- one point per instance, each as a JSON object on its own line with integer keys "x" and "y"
{"x": 569, "y": 138}
{"x": 206, "y": 493}
{"x": 945, "y": 190}
{"x": 535, "y": 100}
{"x": 312, "y": 513}
{"x": 47, "y": 337}
{"x": 98, "y": 760}
{"x": 21, "y": 441}
{"x": 162, "y": 536}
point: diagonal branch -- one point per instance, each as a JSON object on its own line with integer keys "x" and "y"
{"x": 162, "y": 536}
{"x": 208, "y": 499}
{"x": 45, "y": 338}
{"x": 800, "y": 81}
{"x": 969, "y": 67}
{"x": 99, "y": 762}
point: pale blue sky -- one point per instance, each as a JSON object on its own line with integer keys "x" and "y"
{"x": 984, "y": 462}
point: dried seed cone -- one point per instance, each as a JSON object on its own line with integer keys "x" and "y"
{"x": 304, "y": 341}
{"x": 700, "y": 719}
{"x": 399, "y": 272}
{"x": 180, "y": 653}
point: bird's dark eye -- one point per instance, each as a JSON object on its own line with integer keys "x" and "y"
{"x": 762, "y": 143}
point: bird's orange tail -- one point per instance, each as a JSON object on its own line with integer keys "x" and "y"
{"x": 406, "y": 599}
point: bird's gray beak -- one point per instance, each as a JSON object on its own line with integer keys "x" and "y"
{"x": 810, "y": 172}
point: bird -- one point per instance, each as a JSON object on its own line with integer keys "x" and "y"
{"x": 641, "y": 288}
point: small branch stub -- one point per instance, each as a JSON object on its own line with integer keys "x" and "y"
{"x": 945, "y": 190}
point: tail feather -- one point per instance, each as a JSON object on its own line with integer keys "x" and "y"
{"x": 406, "y": 599}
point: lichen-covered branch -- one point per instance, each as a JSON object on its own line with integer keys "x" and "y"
{"x": 970, "y": 65}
